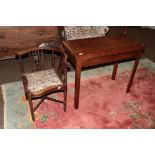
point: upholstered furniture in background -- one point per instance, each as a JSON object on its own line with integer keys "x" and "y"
{"x": 81, "y": 32}
{"x": 47, "y": 74}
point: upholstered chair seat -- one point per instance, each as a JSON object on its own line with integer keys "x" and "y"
{"x": 42, "y": 80}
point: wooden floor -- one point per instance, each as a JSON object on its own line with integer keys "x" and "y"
{"x": 9, "y": 69}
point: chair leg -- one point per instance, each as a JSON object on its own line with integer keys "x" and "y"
{"x": 65, "y": 99}
{"x": 31, "y": 107}
{"x": 26, "y": 96}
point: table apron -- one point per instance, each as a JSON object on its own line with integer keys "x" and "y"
{"x": 108, "y": 59}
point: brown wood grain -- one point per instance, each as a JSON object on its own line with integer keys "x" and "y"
{"x": 101, "y": 50}
{"x": 14, "y": 38}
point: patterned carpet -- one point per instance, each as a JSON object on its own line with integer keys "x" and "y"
{"x": 103, "y": 102}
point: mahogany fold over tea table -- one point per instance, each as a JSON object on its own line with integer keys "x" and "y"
{"x": 101, "y": 50}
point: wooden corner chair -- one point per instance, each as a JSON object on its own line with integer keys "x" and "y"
{"x": 46, "y": 74}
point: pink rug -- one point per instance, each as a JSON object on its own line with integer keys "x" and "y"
{"x": 104, "y": 104}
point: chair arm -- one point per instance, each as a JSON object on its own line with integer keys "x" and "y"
{"x": 62, "y": 69}
{"x": 25, "y": 51}
{"x": 65, "y": 58}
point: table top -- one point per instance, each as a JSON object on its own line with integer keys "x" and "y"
{"x": 103, "y": 46}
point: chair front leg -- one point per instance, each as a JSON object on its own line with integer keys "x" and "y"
{"x": 31, "y": 107}
{"x": 65, "y": 88}
{"x": 65, "y": 99}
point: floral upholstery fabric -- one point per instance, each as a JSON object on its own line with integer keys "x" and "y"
{"x": 41, "y": 80}
{"x": 80, "y": 32}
